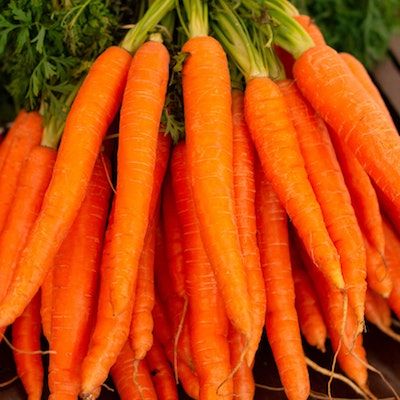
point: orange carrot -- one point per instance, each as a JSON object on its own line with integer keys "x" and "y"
{"x": 245, "y": 192}
{"x": 341, "y": 100}
{"x": 207, "y": 318}
{"x": 311, "y": 28}
{"x": 161, "y": 373}
{"x": 208, "y": 125}
{"x": 330, "y": 189}
{"x": 141, "y": 109}
{"x": 31, "y": 186}
{"x": 26, "y": 338}
{"x": 311, "y": 321}
{"x": 122, "y": 374}
{"x": 74, "y": 288}
{"x": 273, "y": 242}
{"x": 378, "y": 276}
{"x": 46, "y": 299}
{"x": 86, "y": 124}
{"x": 25, "y": 135}
{"x": 377, "y": 310}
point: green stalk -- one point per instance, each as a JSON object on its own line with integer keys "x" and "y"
{"x": 197, "y": 14}
{"x": 138, "y": 34}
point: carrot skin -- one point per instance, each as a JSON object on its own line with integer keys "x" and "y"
{"x": 142, "y": 105}
{"x": 75, "y": 288}
{"x": 285, "y": 341}
{"x": 377, "y": 310}
{"x": 46, "y": 306}
{"x": 26, "y": 337}
{"x": 86, "y": 125}
{"x": 274, "y": 135}
{"x": 208, "y": 124}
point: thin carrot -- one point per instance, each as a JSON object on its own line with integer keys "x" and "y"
{"x": 245, "y": 193}
{"x": 141, "y": 109}
{"x": 208, "y": 125}
{"x": 330, "y": 189}
{"x": 25, "y": 135}
{"x": 285, "y": 341}
{"x": 122, "y": 374}
{"x": 207, "y": 318}
{"x": 161, "y": 373}
{"x": 75, "y": 286}
{"x": 86, "y": 124}
{"x": 309, "y": 312}
{"x": 26, "y": 340}
{"x": 46, "y": 299}
{"x": 311, "y": 28}
{"x": 377, "y": 310}
{"x": 363, "y": 196}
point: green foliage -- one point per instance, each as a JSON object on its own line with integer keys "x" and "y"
{"x": 360, "y": 27}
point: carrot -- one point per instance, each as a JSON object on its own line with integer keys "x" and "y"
{"x": 245, "y": 191}
{"x": 25, "y": 134}
{"x": 207, "y": 318}
{"x": 46, "y": 306}
{"x": 161, "y": 373}
{"x": 378, "y": 276}
{"x": 122, "y": 374}
{"x": 74, "y": 288}
{"x": 309, "y": 312}
{"x": 330, "y": 189}
{"x": 26, "y": 341}
{"x": 141, "y": 109}
{"x": 341, "y": 100}
{"x": 363, "y": 196}
{"x": 208, "y": 125}
{"x": 275, "y": 139}
{"x": 311, "y": 28}
{"x": 141, "y": 337}
{"x": 86, "y": 124}
{"x": 361, "y": 74}
{"x": 31, "y": 186}
{"x": 112, "y": 330}
{"x": 285, "y": 341}
{"x": 163, "y": 334}
{"x": 377, "y": 310}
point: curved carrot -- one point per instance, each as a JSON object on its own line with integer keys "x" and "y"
{"x": 311, "y": 321}
{"x": 245, "y": 193}
{"x": 276, "y": 141}
{"x": 86, "y": 124}
{"x": 31, "y": 187}
{"x": 26, "y": 338}
{"x": 341, "y": 100}
{"x": 207, "y": 318}
{"x": 330, "y": 189}
{"x": 161, "y": 373}
{"x": 75, "y": 287}
{"x": 208, "y": 124}
{"x": 25, "y": 134}
{"x": 122, "y": 374}
{"x": 141, "y": 109}
{"x": 377, "y": 310}
{"x": 281, "y": 319}
{"x": 362, "y": 192}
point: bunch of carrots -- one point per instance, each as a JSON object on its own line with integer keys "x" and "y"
{"x": 255, "y": 185}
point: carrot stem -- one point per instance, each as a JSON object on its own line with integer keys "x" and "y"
{"x": 197, "y": 13}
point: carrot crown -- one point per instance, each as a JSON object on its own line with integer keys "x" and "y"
{"x": 197, "y": 16}
{"x": 284, "y": 5}
{"x": 138, "y": 34}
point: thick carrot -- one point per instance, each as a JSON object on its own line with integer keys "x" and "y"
{"x": 111, "y": 330}
{"x": 25, "y": 135}
{"x": 361, "y": 74}
{"x": 123, "y": 372}
{"x": 245, "y": 193}
{"x": 31, "y": 187}
{"x": 75, "y": 286}
{"x": 26, "y": 337}
{"x": 341, "y": 100}
{"x": 207, "y": 318}
{"x": 330, "y": 189}
{"x": 208, "y": 124}
{"x": 86, "y": 124}
{"x": 161, "y": 373}
{"x": 378, "y": 276}
{"x": 363, "y": 196}
{"x": 281, "y": 318}
{"x": 309, "y": 312}
{"x": 377, "y": 310}
{"x": 141, "y": 109}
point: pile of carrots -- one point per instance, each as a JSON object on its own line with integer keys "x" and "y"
{"x": 265, "y": 195}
